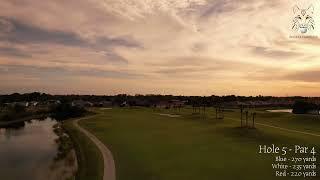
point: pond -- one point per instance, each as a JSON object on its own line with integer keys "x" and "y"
{"x": 281, "y": 110}
{"x": 29, "y": 150}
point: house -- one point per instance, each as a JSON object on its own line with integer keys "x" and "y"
{"x": 163, "y": 104}
{"x": 102, "y": 104}
{"x": 177, "y": 103}
{"x": 140, "y": 102}
{"x": 81, "y": 103}
{"x": 33, "y": 103}
{"x": 53, "y": 102}
{"x": 170, "y": 104}
{"x": 124, "y": 104}
{"x": 24, "y": 104}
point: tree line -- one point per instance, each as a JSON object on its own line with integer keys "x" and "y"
{"x": 145, "y": 99}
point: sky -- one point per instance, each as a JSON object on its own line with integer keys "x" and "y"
{"x": 179, "y": 47}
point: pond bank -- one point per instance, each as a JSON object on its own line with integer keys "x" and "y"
{"x": 90, "y": 160}
{"x": 34, "y": 116}
{"x": 37, "y": 148}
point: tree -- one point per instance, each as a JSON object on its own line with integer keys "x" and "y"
{"x": 17, "y": 108}
{"x": 65, "y": 110}
{"x": 302, "y": 107}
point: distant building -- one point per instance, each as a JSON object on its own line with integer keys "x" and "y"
{"x": 33, "y": 103}
{"x": 124, "y": 104}
{"x": 102, "y": 104}
{"x": 170, "y": 104}
{"x": 81, "y": 103}
{"x": 177, "y": 103}
{"x": 53, "y": 102}
{"x": 163, "y": 104}
{"x": 24, "y": 104}
{"x": 140, "y": 102}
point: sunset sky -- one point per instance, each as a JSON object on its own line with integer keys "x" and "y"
{"x": 180, "y": 47}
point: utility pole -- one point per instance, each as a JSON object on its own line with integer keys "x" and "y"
{"x": 247, "y": 118}
{"x": 253, "y": 116}
{"x": 216, "y": 112}
{"x": 241, "y": 111}
{"x": 222, "y": 110}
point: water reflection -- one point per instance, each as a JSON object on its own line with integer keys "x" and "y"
{"x": 15, "y": 125}
{"x": 27, "y": 151}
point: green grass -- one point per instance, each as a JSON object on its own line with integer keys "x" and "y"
{"x": 90, "y": 163}
{"x": 147, "y": 146}
{"x": 308, "y": 123}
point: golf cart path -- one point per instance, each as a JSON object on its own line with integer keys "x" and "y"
{"x": 109, "y": 171}
{"x": 284, "y": 129}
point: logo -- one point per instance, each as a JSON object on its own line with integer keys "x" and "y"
{"x": 303, "y": 21}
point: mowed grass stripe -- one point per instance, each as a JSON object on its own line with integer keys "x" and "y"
{"x": 146, "y": 145}
{"x": 280, "y": 128}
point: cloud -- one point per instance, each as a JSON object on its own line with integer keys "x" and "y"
{"x": 218, "y": 7}
{"x": 5, "y": 27}
{"x": 20, "y": 32}
{"x": 14, "y": 52}
{"x": 108, "y": 74}
{"x": 117, "y": 42}
{"x": 144, "y": 8}
{"x": 180, "y": 71}
{"x": 304, "y": 76}
{"x": 205, "y": 62}
{"x": 278, "y": 75}
{"x": 17, "y": 32}
{"x": 115, "y": 58}
{"x": 199, "y": 47}
{"x": 48, "y": 73}
{"x": 215, "y": 43}
{"x": 205, "y": 68}
{"x": 271, "y": 53}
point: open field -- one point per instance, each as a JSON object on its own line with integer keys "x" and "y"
{"x": 147, "y": 145}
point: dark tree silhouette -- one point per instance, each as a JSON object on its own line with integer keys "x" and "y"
{"x": 302, "y": 107}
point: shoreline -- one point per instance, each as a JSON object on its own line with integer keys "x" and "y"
{"x": 35, "y": 116}
{"x": 109, "y": 171}
{"x": 89, "y": 158}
